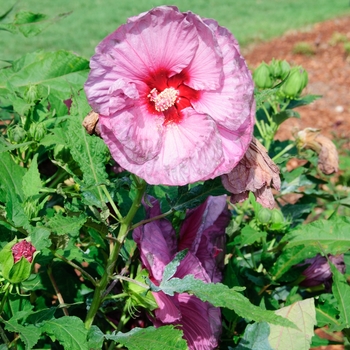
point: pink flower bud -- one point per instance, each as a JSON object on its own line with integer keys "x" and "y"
{"x": 23, "y": 249}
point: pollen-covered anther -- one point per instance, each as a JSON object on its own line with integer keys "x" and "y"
{"x": 164, "y": 100}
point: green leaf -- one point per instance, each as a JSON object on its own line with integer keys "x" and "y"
{"x": 250, "y": 236}
{"x": 166, "y": 337}
{"x": 303, "y": 314}
{"x": 11, "y": 175}
{"x": 171, "y": 268}
{"x": 279, "y": 118}
{"x": 29, "y": 334}
{"x": 332, "y": 236}
{"x": 66, "y": 224}
{"x": 30, "y": 24}
{"x": 255, "y": 337}
{"x": 38, "y": 317}
{"x": 221, "y": 296}
{"x": 291, "y": 257}
{"x": 60, "y": 72}
{"x": 69, "y": 331}
{"x": 198, "y": 194}
{"x": 327, "y": 312}
{"x": 341, "y": 291}
{"x": 306, "y": 100}
{"x": 89, "y": 151}
{"x": 95, "y": 338}
{"x": 31, "y": 179}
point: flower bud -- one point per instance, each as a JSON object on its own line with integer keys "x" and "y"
{"x": 31, "y": 94}
{"x": 319, "y": 272}
{"x": 295, "y": 83}
{"x": 275, "y": 68}
{"x": 327, "y": 153}
{"x": 262, "y": 76}
{"x": 37, "y": 131}
{"x": 17, "y": 134}
{"x": 277, "y": 217}
{"x": 16, "y": 260}
{"x": 284, "y": 69}
{"x": 140, "y": 296}
{"x": 264, "y": 215}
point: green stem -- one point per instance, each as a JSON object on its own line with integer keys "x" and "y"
{"x": 110, "y": 265}
{"x": 4, "y": 299}
{"x": 161, "y": 216}
{"x": 285, "y": 150}
{"x": 111, "y": 201}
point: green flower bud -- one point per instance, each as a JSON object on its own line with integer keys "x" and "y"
{"x": 264, "y": 215}
{"x": 31, "y": 94}
{"x": 140, "y": 296}
{"x": 37, "y": 131}
{"x": 16, "y": 260}
{"x": 277, "y": 217}
{"x": 284, "y": 69}
{"x": 275, "y": 68}
{"x": 295, "y": 83}
{"x": 262, "y": 76}
{"x": 17, "y": 134}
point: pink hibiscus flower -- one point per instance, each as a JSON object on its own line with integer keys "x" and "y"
{"x": 174, "y": 95}
{"x": 203, "y": 234}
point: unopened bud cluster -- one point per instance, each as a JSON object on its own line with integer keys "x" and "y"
{"x": 292, "y": 80}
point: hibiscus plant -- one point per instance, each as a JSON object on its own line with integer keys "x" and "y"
{"x": 145, "y": 202}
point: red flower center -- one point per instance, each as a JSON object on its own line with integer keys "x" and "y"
{"x": 170, "y": 95}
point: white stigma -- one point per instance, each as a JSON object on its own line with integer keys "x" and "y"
{"x": 164, "y": 100}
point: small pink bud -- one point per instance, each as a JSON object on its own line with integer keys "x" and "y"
{"x": 23, "y": 249}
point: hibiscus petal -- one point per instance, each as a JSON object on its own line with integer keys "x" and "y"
{"x": 205, "y": 70}
{"x": 168, "y": 308}
{"x": 201, "y": 322}
{"x": 229, "y": 106}
{"x": 133, "y": 133}
{"x": 161, "y": 38}
{"x": 191, "y": 151}
{"x": 154, "y": 249}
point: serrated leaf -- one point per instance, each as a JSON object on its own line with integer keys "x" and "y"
{"x": 38, "y": 317}
{"x": 166, "y": 337}
{"x": 31, "y": 179}
{"x": 29, "y": 334}
{"x": 69, "y": 331}
{"x": 303, "y": 314}
{"x": 341, "y": 291}
{"x": 221, "y": 296}
{"x": 66, "y": 224}
{"x": 198, "y": 194}
{"x": 327, "y": 312}
{"x": 291, "y": 257}
{"x": 332, "y": 236}
{"x": 89, "y": 151}
{"x": 11, "y": 175}
{"x": 40, "y": 237}
{"x": 255, "y": 337}
{"x": 171, "y": 268}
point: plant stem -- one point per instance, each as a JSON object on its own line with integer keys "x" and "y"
{"x": 57, "y": 291}
{"x": 285, "y": 150}
{"x": 125, "y": 224}
{"x": 116, "y": 210}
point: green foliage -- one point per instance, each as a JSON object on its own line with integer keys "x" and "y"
{"x": 89, "y": 288}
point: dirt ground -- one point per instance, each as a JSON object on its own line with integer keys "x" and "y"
{"x": 328, "y": 65}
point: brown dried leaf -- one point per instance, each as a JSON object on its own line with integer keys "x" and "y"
{"x": 90, "y": 123}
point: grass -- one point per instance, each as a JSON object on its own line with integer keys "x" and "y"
{"x": 91, "y": 20}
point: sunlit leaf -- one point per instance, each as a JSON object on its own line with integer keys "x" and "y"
{"x": 303, "y": 314}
